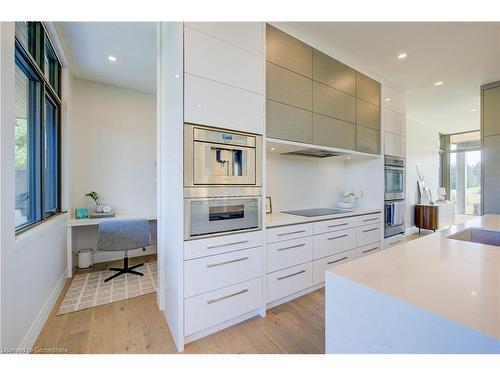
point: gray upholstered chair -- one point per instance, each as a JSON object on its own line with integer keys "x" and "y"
{"x": 123, "y": 235}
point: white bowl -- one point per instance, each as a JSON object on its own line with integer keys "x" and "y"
{"x": 345, "y": 204}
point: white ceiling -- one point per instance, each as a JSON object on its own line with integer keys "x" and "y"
{"x": 462, "y": 55}
{"x": 88, "y": 45}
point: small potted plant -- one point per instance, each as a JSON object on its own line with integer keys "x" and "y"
{"x": 95, "y": 197}
{"x": 352, "y": 195}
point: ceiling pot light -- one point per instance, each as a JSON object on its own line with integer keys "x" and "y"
{"x": 438, "y": 83}
{"x": 473, "y": 110}
{"x": 387, "y": 99}
{"x": 112, "y": 58}
{"x": 401, "y": 56}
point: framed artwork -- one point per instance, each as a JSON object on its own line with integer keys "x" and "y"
{"x": 269, "y": 205}
{"x": 82, "y": 213}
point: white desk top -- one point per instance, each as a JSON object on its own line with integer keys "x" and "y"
{"x": 454, "y": 279}
{"x": 86, "y": 222}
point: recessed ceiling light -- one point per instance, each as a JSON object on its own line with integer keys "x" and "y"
{"x": 272, "y": 149}
{"x": 348, "y": 158}
{"x": 387, "y": 99}
{"x": 438, "y": 83}
{"x": 473, "y": 110}
{"x": 112, "y": 58}
{"x": 401, "y": 56}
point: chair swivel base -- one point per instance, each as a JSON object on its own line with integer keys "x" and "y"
{"x": 124, "y": 270}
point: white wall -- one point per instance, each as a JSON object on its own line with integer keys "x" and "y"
{"x": 422, "y": 149}
{"x": 298, "y": 182}
{"x": 33, "y": 264}
{"x": 113, "y": 139}
{"x": 368, "y": 176}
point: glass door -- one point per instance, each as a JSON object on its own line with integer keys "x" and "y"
{"x": 465, "y": 172}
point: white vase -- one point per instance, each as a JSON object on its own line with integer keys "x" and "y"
{"x": 352, "y": 199}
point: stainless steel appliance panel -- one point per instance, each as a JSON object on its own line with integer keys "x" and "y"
{"x": 394, "y": 177}
{"x": 206, "y": 217}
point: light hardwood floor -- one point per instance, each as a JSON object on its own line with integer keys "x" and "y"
{"x": 137, "y": 326}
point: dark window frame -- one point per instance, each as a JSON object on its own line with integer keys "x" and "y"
{"x": 33, "y": 66}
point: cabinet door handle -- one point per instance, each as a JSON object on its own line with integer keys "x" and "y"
{"x": 374, "y": 218}
{"x": 367, "y": 251}
{"x": 228, "y": 296}
{"x": 336, "y": 237}
{"x": 337, "y": 225}
{"x": 226, "y": 262}
{"x": 227, "y": 244}
{"x": 338, "y": 260}
{"x": 292, "y": 274}
{"x": 288, "y": 233}
{"x": 292, "y": 247}
{"x": 370, "y": 230}
{"x": 395, "y": 242}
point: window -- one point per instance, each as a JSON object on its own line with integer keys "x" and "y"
{"x": 462, "y": 169}
{"x": 37, "y": 127}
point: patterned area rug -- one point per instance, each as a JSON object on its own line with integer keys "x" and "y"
{"x": 89, "y": 290}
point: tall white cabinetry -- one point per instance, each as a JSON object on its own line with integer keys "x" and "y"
{"x": 394, "y": 117}
{"x": 224, "y": 79}
{"x": 209, "y": 74}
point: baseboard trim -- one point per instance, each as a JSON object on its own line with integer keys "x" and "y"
{"x": 35, "y": 329}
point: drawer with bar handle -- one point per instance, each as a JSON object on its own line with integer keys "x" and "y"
{"x": 320, "y": 265}
{"x": 369, "y": 249}
{"x": 288, "y": 232}
{"x": 207, "y": 310}
{"x": 327, "y": 244}
{"x": 289, "y": 253}
{"x": 209, "y": 273}
{"x": 393, "y": 240}
{"x": 368, "y": 219}
{"x": 288, "y": 281}
{"x": 369, "y": 234}
{"x": 334, "y": 225}
{"x": 221, "y": 244}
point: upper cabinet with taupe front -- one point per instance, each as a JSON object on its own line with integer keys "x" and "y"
{"x": 313, "y": 98}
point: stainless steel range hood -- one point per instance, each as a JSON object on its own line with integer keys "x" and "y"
{"x": 299, "y": 149}
{"x": 314, "y": 153}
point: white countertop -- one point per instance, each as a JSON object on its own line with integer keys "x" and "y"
{"x": 278, "y": 219}
{"x": 454, "y": 279}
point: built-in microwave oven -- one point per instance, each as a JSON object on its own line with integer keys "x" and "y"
{"x": 206, "y": 217}
{"x": 216, "y": 157}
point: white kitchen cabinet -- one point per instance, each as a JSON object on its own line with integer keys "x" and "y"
{"x": 395, "y": 145}
{"x": 397, "y": 102}
{"x": 288, "y": 281}
{"x": 393, "y": 240}
{"x": 315, "y": 246}
{"x": 209, "y": 309}
{"x": 394, "y": 122}
{"x": 334, "y": 242}
{"x": 208, "y": 57}
{"x": 289, "y": 253}
{"x": 369, "y": 249}
{"x": 212, "y": 103}
{"x": 221, "y": 244}
{"x": 368, "y": 234}
{"x": 288, "y": 232}
{"x": 209, "y": 273}
{"x": 245, "y": 35}
{"x": 320, "y": 265}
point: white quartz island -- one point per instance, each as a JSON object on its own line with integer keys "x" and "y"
{"x": 430, "y": 295}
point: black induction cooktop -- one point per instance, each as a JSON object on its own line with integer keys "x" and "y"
{"x": 316, "y": 212}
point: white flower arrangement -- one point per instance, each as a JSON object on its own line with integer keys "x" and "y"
{"x": 356, "y": 193}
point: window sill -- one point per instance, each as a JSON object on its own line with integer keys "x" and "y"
{"x": 23, "y": 239}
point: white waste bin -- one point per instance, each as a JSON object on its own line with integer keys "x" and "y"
{"x": 85, "y": 258}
